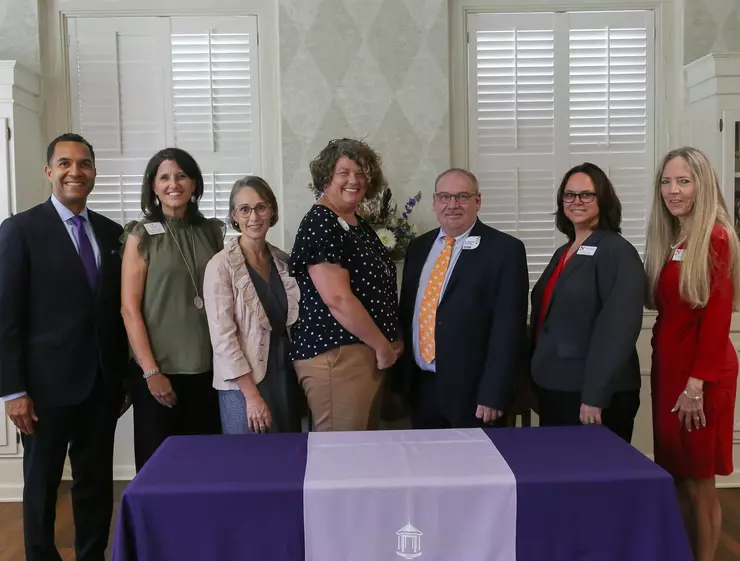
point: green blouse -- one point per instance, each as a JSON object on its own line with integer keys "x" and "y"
{"x": 177, "y": 329}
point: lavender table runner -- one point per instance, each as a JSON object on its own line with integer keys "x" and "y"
{"x": 440, "y": 494}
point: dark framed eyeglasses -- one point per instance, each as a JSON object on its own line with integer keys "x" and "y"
{"x": 461, "y": 198}
{"x": 584, "y": 197}
{"x": 245, "y": 210}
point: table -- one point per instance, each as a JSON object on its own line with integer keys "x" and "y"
{"x": 581, "y": 493}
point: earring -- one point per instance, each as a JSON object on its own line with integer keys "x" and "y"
{"x": 193, "y": 199}
{"x": 156, "y": 201}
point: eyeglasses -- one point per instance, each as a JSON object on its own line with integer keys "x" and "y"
{"x": 461, "y": 198}
{"x": 245, "y": 211}
{"x": 585, "y": 197}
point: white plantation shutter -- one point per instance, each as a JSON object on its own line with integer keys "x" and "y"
{"x": 549, "y": 91}
{"x": 141, "y": 84}
{"x": 611, "y": 113}
{"x": 118, "y": 104}
{"x": 215, "y": 103}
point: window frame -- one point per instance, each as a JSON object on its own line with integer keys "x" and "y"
{"x": 671, "y": 126}
{"x": 669, "y": 131}
{"x": 57, "y": 108}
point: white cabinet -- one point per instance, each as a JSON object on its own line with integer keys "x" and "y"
{"x": 22, "y": 182}
{"x": 714, "y": 111}
{"x": 22, "y": 185}
{"x": 21, "y": 169}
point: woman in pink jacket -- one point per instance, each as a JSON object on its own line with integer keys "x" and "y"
{"x": 251, "y": 303}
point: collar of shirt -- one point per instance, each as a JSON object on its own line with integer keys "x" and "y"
{"x": 462, "y": 237}
{"x": 64, "y": 213}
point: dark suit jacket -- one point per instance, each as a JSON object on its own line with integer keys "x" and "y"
{"x": 588, "y": 337}
{"x": 56, "y": 334}
{"x": 480, "y": 324}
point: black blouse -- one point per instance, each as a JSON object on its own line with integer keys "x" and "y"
{"x": 323, "y": 237}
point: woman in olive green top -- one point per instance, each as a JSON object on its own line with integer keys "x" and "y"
{"x": 164, "y": 260}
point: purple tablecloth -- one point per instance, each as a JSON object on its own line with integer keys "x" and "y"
{"x": 581, "y": 494}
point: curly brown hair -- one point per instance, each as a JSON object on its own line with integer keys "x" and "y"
{"x": 322, "y": 167}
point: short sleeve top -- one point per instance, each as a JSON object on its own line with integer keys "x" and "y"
{"x": 177, "y": 329}
{"x": 323, "y": 237}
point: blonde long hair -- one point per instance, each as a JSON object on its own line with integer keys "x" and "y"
{"x": 708, "y": 210}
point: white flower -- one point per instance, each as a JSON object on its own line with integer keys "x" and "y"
{"x": 387, "y": 237}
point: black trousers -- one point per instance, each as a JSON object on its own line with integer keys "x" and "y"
{"x": 427, "y": 410}
{"x": 558, "y": 408}
{"x": 196, "y": 411}
{"x": 88, "y": 430}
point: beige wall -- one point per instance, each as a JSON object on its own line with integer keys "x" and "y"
{"x": 370, "y": 69}
{"x": 711, "y": 26}
{"x": 19, "y": 32}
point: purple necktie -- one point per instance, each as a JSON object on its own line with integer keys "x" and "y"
{"x": 86, "y": 252}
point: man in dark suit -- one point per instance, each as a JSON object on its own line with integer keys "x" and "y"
{"x": 63, "y": 351}
{"x": 463, "y": 314}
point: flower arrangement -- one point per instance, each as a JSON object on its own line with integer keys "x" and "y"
{"x": 381, "y": 213}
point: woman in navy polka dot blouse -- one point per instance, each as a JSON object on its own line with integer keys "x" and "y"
{"x": 347, "y": 332}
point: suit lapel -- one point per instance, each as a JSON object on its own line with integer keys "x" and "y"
{"x": 465, "y": 261}
{"x": 577, "y": 260}
{"x": 64, "y": 244}
{"x": 573, "y": 265}
{"x": 539, "y": 289}
{"x": 96, "y": 222}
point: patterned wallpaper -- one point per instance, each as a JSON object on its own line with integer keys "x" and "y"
{"x": 711, "y": 26}
{"x": 370, "y": 69}
{"x": 19, "y": 32}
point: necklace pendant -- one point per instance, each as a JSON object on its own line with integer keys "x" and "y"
{"x": 198, "y": 301}
{"x": 343, "y": 223}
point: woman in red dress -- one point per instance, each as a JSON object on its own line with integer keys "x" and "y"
{"x": 694, "y": 283}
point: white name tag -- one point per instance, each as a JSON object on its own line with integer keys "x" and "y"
{"x": 471, "y": 242}
{"x": 586, "y": 250}
{"x": 154, "y": 228}
{"x": 678, "y": 255}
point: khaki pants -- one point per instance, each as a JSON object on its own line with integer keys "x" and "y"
{"x": 343, "y": 388}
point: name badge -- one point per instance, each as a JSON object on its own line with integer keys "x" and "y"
{"x": 471, "y": 242}
{"x": 154, "y": 228}
{"x": 586, "y": 250}
{"x": 678, "y": 255}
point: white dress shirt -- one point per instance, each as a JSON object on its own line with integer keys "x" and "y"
{"x": 426, "y": 272}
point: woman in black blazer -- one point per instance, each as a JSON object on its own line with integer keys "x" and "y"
{"x": 587, "y": 312}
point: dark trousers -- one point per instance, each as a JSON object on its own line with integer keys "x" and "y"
{"x": 427, "y": 410}
{"x": 558, "y": 408}
{"x": 88, "y": 429}
{"x": 196, "y": 411}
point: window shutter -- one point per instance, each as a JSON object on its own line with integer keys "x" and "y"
{"x": 141, "y": 84}
{"x": 118, "y": 93}
{"x": 513, "y": 127}
{"x": 549, "y": 91}
{"x": 215, "y": 101}
{"x": 611, "y": 115}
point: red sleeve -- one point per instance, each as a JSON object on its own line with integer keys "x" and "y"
{"x": 710, "y": 358}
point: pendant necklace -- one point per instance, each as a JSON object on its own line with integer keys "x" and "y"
{"x": 197, "y": 301}
{"x": 679, "y": 242}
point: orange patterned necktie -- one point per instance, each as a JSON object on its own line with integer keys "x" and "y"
{"x": 430, "y": 301}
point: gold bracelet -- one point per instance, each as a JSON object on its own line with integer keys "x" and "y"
{"x": 697, "y": 398}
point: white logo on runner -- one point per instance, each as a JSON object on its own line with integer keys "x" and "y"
{"x": 409, "y": 542}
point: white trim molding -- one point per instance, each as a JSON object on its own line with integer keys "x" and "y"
{"x": 669, "y": 88}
